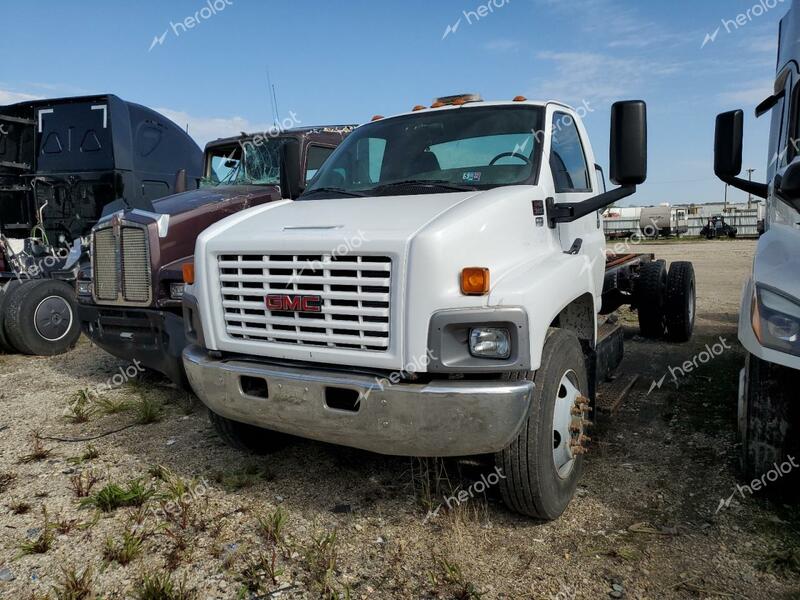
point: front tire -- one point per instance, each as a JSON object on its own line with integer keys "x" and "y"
{"x": 542, "y": 467}
{"x": 246, "y": 438}
{"x": 41, "y": 318}
{"x": 769, "y": 417}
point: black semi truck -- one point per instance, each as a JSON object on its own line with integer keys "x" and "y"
{"x": 64, "y": 163}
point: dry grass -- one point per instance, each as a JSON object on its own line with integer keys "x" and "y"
{"x": 38, "y": 451}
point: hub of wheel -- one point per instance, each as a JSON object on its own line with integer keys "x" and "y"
{"x": 570, "y": 423}
{"x": 53, "y": 318}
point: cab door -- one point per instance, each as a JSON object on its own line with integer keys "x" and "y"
{"x": 571, "y": 163}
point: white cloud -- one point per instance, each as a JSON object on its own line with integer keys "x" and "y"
{"x": 206, "y": 129}
{"x": 501, "y": 46}
{"x": 622, "y": 26}
{"x": 9, "y": 97}
{"x": 748, "y": 95}
{"x": 597, "y": 77}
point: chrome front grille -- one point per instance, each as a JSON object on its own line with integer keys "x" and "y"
{"x": 105, "y": 265}
{"x": 121, "y": 265}
{"x": 353, "y": 292}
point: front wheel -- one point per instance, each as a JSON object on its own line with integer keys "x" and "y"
{"x": 244, "y": 437}
{"x": 540, "y": 469}
{"x": 41, "y": 318}
{"x": 769, "y": 417}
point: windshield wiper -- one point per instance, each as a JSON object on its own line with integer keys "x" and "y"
{"x": 333, "y": 190}
{"x": 438, "y": 183}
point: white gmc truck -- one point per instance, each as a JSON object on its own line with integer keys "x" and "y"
{"x": 436, "y": 290}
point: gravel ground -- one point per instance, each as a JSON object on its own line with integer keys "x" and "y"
{"x": 348, "y": 523}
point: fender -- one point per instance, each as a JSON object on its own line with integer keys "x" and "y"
{"x": 545, "y": 287}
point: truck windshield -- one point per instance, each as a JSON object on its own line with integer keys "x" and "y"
{"x": 468, "y": 148}
{"x": 245, "y": 163}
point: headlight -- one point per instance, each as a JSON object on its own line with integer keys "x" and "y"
{"x": 489, "y": 342}
{"x": 84, "y": 288}
{"x": 176, "y": 290}
{"x": 776, "y": 321}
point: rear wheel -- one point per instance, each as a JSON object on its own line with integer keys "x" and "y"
{"x": 681, "y": 302}
{"x": 540, "y": 470}
{"x": 651, "y": 288}
{"x": 41, "y": 318}
{"x": 768, "y": 417}
{"x": 246, "y": 438}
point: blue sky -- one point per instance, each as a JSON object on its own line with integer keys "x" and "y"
{"x": 342, "y": 62}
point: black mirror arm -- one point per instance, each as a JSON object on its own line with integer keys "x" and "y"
{"x": 568, "y": 212}
{"x": 760, "y": 190}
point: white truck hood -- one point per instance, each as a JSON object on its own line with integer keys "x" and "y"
{"x": 425, "y": 239}
{"x": 395, "y": 216}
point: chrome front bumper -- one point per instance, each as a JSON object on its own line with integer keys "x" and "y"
{"x": 444, "y": 418}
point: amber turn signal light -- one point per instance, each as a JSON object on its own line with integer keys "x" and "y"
{"x": 475, "y": 281}
{"x": 188, "y": 273}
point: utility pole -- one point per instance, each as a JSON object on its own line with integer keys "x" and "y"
{"x": 749, "y": 195}
{"x": 725, "y": 203}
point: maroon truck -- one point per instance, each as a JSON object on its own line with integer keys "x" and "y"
{"x": 130, "y": 295}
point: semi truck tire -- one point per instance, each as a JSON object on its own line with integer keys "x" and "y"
{"x": 540, "y": 470}
{"x": 5, "y": 293}
{"x": 246, "y": 438}
{"x": 42, "y": 318}
{"x": 681, "y": 301}
{"x": 769, "y": 418}
{"x": 650, "y": 295}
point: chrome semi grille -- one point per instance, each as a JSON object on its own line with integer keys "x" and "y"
{"x": 121, "y": 266}
{"x": 353, "y": 293}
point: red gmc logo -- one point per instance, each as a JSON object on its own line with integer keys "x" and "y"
{"x": 289, "y": 303}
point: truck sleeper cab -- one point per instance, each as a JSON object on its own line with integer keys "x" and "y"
{"x": 63, "y": 164}
{"x": 769, "y": 319}
{"x": 130, "y": 300}
{"x": 434, "y": 292}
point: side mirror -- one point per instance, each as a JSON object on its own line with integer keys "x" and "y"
{"x": 628, "y": 157}
{"x": 728, "y": 141}
{"x": 180, "y": 182}
{"x": 292, "y": 181}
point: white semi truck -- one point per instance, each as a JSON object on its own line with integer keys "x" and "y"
{"x": 436, "y": 290}
{"x": 769, "y": 322}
